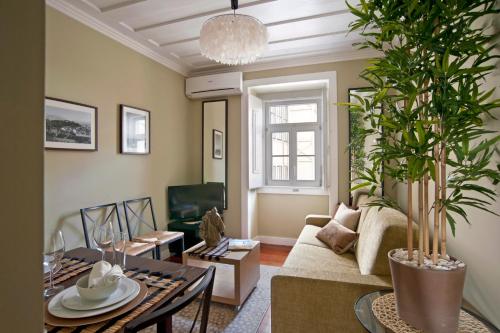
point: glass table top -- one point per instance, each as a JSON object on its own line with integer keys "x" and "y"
{"x": 363, "y": 310}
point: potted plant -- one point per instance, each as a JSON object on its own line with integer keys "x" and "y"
{"x": 434, "y": 57}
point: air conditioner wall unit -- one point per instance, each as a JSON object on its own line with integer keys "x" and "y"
{"x": 214, "y": 85}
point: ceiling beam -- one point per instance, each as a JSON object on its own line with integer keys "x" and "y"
{"x": 333, "y": 46}
{"x": 120, "y": 5}
{"x": 272, "y": 24}
{"x": 286, "y": 40}
{"x": 309, "y": 37}
{"x": 284, "y": 57}
{"x": 305, "y": 18}
{"x": 204, "y": 14}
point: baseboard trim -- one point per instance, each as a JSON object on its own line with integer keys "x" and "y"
{"x": 276, "y": 240}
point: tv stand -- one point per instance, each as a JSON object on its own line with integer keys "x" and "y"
{"x": 191, "y": 230}
{"x": 192, "y": 222}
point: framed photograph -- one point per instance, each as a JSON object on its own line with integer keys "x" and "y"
{"x": 217, "y": 144}
{"x": 70, "y": 125}
{"x": 134, "y": 134}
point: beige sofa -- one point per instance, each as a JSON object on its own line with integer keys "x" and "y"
{"x": 316, "y": 289}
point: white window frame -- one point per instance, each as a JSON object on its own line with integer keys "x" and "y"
{"x": 292, "y": 129}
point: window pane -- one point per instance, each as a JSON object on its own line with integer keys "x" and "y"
{"x": 278, "y": 114}
{"x": 303, "y": 113}
{"x": 305, "y": 143}
{"x": 280, "y": 168}
{"x": 280, "y": 141}
{"x": 305, "y": 168}
{"x": 293, "y": 113}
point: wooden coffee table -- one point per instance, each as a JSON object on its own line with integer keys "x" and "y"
{"x": 236, "y": 274}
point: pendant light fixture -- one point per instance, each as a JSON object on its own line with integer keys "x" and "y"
{"x": 233, "y": 39}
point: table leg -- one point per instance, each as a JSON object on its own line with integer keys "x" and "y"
{"x": 164, "y": 326}
{"x": 177, "y": 246}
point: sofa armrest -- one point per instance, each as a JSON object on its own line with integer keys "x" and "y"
{"x": 318, "y": 220}
{"x": 319, "y": 301}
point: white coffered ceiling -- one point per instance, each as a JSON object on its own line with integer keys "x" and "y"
{"x": 300, "y": 31}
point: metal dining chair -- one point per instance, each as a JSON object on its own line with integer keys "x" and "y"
{"x": 163, "y": 315}
{"x": 104, "y": 213}
{"x": 135, "y": 209}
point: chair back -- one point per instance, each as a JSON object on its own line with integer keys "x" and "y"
{"x": 99, "y": 215}
{"x": 135, "y": 210}
{"x": 205, "y": 286}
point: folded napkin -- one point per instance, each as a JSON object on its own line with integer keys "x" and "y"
{"x": 103, "y": 274}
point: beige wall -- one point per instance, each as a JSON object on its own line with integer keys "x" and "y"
{"x": 214, "y": 118}
{"x": 21, "y": 168}
{"x": 282, "y": 215}
{"x": 85, "y": 66}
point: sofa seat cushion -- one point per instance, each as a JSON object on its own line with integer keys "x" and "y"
{"x": 311, "y": 257}
{"x": 308, "y": 236}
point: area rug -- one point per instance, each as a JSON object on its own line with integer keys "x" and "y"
{"x": 225, "y": 318}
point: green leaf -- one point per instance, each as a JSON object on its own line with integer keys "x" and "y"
{"x": 420, "y": 131}
{"x": 452, "y": 223}
{"x": 361, "y": 185}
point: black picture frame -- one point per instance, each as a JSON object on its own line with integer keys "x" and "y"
{"x": 70, "y": 121}
{"x": 349, "y": 93}
{"x": 217, "y": 144}
{"x": 126, "y": 138}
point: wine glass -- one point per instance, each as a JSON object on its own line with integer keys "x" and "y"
{"x": 54, "y": 252}
{"x": 121, "y": 249}
{"x": 103, "y": 237}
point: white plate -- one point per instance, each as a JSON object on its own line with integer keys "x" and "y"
{"x": 72, "y": 300}
{"x": 56, "y": 308}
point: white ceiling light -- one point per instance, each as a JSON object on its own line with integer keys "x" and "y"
{"x": 233, "y": 39}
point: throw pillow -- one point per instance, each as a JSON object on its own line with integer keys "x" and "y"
{"x": 339, "y": 238}
{"x": 349, "y": 218}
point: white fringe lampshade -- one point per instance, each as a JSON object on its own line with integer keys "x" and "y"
{"x": 233, "y": 39}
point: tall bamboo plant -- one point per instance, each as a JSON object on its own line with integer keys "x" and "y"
{"x": 435, "y": 56}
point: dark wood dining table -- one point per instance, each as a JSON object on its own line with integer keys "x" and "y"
{"x": 189, "y": 273}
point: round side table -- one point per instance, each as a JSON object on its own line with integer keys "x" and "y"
{"x": 364, "y": 313}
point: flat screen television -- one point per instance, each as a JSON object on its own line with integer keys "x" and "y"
{"x": 191, "y": 202}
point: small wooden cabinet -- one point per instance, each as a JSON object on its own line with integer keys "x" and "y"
{"x": 236, "y": 274}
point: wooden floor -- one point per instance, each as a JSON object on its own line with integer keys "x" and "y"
{"x": 272, "y": 255}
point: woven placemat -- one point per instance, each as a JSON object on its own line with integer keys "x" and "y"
{"x": 155, "y": 295}
{"x": 70, "y": 268}
{"x": 384, "y": 309}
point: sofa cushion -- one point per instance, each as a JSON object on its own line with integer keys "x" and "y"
{"x": 362, "y": 202}
{"x": 310, "y": 257}
{"x": 379, "y": 232}
{"x": 339, "y": 238}
{"x": 308, "y": 236}
{"x": 347, "y": 217}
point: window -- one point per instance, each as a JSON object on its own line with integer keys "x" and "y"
{"x": 293, "y": 143}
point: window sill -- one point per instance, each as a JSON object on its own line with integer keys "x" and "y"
{"x": 293, "y": 190}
